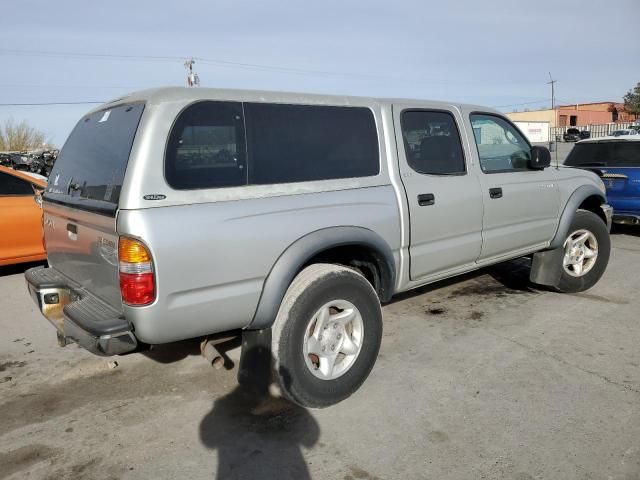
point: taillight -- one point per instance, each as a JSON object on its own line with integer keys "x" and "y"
{"x": 137, "y": 282}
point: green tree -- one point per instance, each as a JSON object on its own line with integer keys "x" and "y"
{"x": 632, "y": 100}
{"x": 20, "y": 136}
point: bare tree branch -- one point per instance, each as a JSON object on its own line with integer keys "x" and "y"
{"x": 20, "y": 136}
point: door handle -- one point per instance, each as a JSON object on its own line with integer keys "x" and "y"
{"x": 426, "y": 199}
{"x": 495, "y": 192}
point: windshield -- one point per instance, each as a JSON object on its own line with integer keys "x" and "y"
{"x": 89, "y": 171}
{"x": 622, "y": 153}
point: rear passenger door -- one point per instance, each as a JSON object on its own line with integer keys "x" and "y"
{"x": 443, "y": 194}
{"x": 521, "y": 205}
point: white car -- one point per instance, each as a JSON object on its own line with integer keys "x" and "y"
{"x": 624, "y": 132}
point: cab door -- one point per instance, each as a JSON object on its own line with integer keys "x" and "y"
{"x": 521, "y": 205}
{"x": 443, "y": 193}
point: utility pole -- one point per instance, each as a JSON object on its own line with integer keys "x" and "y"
{"x": 553, "y": 96}
{"x": 192, "y": 78}
{"x": 552, "y": 82}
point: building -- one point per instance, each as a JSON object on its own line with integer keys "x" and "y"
{"x": 536, "y": 132}
{"x": 577, "y": 115}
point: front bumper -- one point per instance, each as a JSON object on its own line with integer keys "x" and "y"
{"x": 78, "y": 316}
{"x": 608, "y": 213}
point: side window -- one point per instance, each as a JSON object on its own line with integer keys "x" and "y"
{"x": 501, "y": 148}
{"x": 10, "y": 185}
{"x": 604, "y": 154}
{"x": 206, "y": 147}
{"x": 432, "y": 142}
{"x": 298, "y": 143}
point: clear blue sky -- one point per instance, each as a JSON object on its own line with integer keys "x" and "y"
{"x": 494, "y": 53}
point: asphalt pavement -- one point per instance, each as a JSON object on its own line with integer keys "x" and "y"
{"x": 482, "y": 376}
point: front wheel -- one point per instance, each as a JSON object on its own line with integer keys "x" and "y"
{"x": 326, "y": 336}
{"x": 586, "y": 253}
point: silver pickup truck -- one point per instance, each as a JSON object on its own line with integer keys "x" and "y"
{"x": 182, "y": 213}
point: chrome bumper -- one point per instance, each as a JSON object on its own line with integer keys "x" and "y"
{"x": 78, "y": 316}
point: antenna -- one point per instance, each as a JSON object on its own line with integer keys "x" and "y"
{"x": 192, "y": 78}
{"x": 552, "y": 82}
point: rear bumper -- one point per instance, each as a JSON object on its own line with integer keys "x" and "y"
{"x": 78, "y": 316}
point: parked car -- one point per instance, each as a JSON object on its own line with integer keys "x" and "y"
{"x": 617, "y": 161}
{"x": 20, "y": 217}
{"x": 21, "y": 161}
{"x": 624, "y": 132}
{"x": 42, "y": 161}
{"x": 290, "y": 218}
{"x": 574, "y": 135}
{"x": 48, "y": 159}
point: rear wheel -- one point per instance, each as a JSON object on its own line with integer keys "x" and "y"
{"x": 586, "y": 253}
{"x": 326, "y": 336}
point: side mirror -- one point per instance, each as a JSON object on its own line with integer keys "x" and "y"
{"x": 37, "y": 194}
{"x": 540, "y": 158}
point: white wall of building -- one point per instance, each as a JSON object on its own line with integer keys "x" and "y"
{"x": 536, "y": 132}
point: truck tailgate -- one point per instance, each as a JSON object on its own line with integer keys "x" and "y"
{"x": 84, "y": 247}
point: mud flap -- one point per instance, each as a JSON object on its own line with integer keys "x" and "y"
{"x": 546, "y": 267}
{"x": 256, "y": 361}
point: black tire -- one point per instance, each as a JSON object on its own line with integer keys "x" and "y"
{"x": 314, "y": 287}
{"x": 585, "y": 220}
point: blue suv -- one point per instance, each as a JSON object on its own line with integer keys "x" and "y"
{"x": 617, "y": 161}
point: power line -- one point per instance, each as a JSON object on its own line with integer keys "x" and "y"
{"x": 410, "y": 80}
{"x": 166, "y": 58}
{"x": 161, "y": 58}
{"x": 47, "y": 103}
{"x": 523, "y": 103}
{"x": 48, "y": 53}
{"x": 71, "y": 86}
{"x": 222, "y": 63}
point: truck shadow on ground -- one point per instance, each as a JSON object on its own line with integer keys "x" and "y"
{"x": 177, "y": 351}
{"x": 497, "y": 281}
{"x": 173, "y": 352}
{"x": 511, "y": 277}
{"x": 19, "y": 268}
{"x": 620, "y": 229}
{"x": 255, "y": 434}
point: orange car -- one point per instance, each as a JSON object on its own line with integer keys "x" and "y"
{"x": 20, "y": 217}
